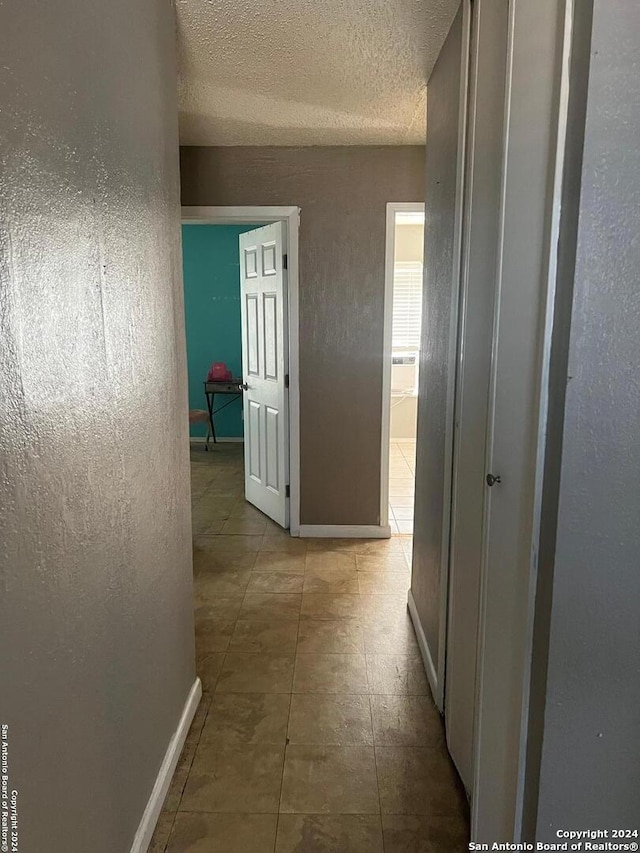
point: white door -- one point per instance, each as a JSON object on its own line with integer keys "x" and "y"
{"x": 265, "y": 365}
{"x": 505, "y": 774}
{"x": 480, "y": 257}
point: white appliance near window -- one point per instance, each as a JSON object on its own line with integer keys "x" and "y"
{"x": 404, "y": 372}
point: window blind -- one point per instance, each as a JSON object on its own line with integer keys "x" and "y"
{"x": 407, "y": 305}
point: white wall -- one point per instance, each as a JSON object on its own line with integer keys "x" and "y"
{"x": 409, "y": 241}
{"x": 404, "y": 410}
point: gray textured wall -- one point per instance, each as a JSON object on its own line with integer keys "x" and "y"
{"x": 343, "y": 194}
{"x": 590, "y": 764}
{"x": 440, "y": 215}
{"x": 95, "y": 580}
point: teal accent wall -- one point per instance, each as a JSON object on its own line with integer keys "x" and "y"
{"x": 212, "y": 312}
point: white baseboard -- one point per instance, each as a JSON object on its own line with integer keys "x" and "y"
{"x": 200, "y": 439}
{"x": 345, "y": 531}
{"x": 163, "y": 780}
{"x": 424, "y": 648}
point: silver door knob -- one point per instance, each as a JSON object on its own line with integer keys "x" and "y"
{"x": 244, "y": 386}
{"x": 491, "y": 480}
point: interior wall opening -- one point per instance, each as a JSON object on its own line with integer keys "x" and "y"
{"x": 405, "y": 246}
{"x": 241, "y": 335}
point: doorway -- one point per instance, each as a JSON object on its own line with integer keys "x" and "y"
{"x": 404, "y": 269}
{"x": 249, "y": 322}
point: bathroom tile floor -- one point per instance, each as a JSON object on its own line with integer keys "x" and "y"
{"x": 402, "y": 474}
{"x": 316, "y": 732}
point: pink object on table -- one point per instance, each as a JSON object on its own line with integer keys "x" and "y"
{"x": 219, "y": 372}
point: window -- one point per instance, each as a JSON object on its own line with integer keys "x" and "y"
{"x": 407, "y": 305}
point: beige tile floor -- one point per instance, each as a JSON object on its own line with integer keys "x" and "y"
{"x": 316, "y": 732}
{"x": 402, "y": 475}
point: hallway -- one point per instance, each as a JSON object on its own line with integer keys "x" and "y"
{"x": 316, "y": 732}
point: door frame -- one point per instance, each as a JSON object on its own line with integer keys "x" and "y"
{"x": 290, "y": 216}
{"x": 393, "y": 207}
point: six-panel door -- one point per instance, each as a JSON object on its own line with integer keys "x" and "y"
{"x": 264, "y": 358}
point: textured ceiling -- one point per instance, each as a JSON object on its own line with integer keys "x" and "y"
{"x": 307, "y": 72}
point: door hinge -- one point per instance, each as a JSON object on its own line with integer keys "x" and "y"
{"x": 285, "y": 262}
{"x": 286, "y": 380}
{"x": 287, "y": 492}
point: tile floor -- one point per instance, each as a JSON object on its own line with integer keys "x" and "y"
{"x": 402, "y": 475}
{"x": 316, "y": 732}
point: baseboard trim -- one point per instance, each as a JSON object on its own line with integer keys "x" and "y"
{"x": 199, "y": 439}
{"x": 345, "y": 531}
{"x": 163, "y": 780}
{"x": 422, "y": 645}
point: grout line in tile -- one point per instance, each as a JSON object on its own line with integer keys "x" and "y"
{"x": 173, "y": 821}
{"x": 373, "y": 738}
{"x": 195, "y": 749}
{"x": 284, "y": 761}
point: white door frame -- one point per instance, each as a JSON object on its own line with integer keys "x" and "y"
{"x": 393, "y": 207}
{"x": 290, "y": 216}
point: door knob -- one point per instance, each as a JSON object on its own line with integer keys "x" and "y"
{"x": 244, "y": 386}
{"x": 491, "y": 480}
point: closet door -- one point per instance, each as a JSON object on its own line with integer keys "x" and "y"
{"x": 481, "y": 232}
